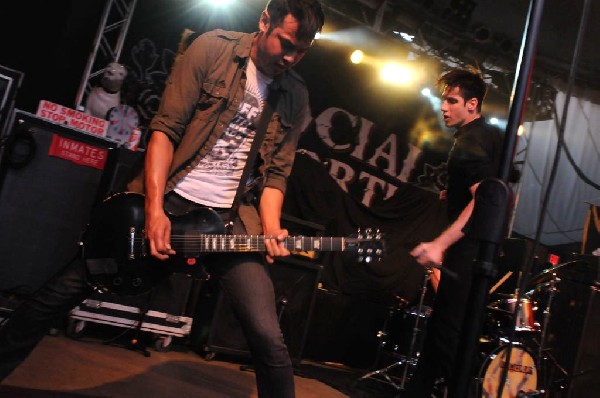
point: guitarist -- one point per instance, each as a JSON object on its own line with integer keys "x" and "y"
{"x": 202, "y": 138}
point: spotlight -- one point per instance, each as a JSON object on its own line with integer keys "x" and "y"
{"x": 357, "y": 56}
{"x": 426, "y": 92}
{"x": 220, "y": 3}
{"x": 405, "y": 36}
{"x": 395, "y": 73}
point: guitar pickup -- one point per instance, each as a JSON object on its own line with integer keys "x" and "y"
{"x": 136, "y": 246}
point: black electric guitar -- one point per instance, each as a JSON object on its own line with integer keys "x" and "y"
{"x": 117, "y": 252}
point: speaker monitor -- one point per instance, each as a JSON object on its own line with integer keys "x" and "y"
{"x": 573, "y": 329}
{"x": 295, "y": 281}
{"x": 345, "y": 329}
{"x": 45, "y": 202}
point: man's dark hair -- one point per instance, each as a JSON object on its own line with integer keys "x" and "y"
{"x": 309, "y": 14}
{"x": 469, "y": 81}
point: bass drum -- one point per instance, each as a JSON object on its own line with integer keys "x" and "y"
{"x": 521, "y": 376}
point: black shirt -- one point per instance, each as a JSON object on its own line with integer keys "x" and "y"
{"x": 475, "y": 155}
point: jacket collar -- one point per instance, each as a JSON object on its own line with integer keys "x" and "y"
{"x": 464, "y": 128}
{"x": 242, "y": 53}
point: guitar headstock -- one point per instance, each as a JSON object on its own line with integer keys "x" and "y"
{"x": 369, "y": 245}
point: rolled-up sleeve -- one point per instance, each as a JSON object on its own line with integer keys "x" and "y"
{"x": 291, "y": 123}
{"x": 182, "y": 90}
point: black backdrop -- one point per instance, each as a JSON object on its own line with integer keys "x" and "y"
{"x": 408, "y": 217}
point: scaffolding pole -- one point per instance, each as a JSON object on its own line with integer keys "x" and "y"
{"x": 108, "y": 43}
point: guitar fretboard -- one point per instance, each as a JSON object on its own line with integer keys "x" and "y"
{"x": 251, "y": 243}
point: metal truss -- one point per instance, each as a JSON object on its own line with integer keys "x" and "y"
{"x": 108, "y": 42}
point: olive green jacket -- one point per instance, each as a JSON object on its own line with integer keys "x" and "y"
{"x": 201, "y": 96}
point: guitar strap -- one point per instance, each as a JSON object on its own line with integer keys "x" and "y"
{"x": 261, "y": 129}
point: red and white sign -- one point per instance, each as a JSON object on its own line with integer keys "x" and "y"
{"x": 70, "y": 117}
{"x": 78, "y": 152}
{"x": 134, "y": 139}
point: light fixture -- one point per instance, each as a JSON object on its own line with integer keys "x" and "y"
{"x": 357, "y": 56}
{"x": 396, "y": 73}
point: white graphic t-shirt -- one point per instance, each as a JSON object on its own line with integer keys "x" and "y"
{"x": 222, "y": 167}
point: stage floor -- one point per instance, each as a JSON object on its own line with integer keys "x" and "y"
{"x": 91, "y": 367}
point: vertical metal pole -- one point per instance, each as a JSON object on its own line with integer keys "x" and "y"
{"x": 485, "y": 265}
{"x": 92, "y": 56}
{"x": 117, "y": 14}
{"x": 123, "y": 34}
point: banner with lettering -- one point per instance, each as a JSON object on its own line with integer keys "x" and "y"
{"x": 372, "y": 155}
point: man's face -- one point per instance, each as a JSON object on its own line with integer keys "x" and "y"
{"x": 456, "y": 111}
{"x": 278, "y": 50}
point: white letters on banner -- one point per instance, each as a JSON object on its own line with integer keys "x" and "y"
{"x": 386, "y": 153}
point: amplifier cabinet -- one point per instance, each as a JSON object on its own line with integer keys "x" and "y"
{"x": 45, "y": 201}
{"x": 572, "y": 338}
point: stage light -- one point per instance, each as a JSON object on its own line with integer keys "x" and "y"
{"x": 317, "y": 35}
{"x": 426, "y": 92}
{"x": 405, "y": 36}
{"x": 219, "y": 3}
{"x": 357, "y": 56}
{"x": 396, "y": 73}
{"x": 500, "y": 123}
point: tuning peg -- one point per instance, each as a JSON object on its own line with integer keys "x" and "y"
{"x": 367, "y": 233}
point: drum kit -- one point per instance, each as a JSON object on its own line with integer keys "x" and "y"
{"x": 512, "y": 330}
{"x": 532, "y": 370}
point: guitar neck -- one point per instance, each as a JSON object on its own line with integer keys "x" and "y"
{"x": 187, "y": 244}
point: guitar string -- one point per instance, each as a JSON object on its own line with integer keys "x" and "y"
{"x": 208, "y": 243}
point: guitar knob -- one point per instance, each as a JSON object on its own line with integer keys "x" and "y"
{"x": 137, "y": 282}
{"x": 117, "y": 281}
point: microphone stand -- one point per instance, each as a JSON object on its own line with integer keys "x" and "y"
{"x": 491, "y": 209}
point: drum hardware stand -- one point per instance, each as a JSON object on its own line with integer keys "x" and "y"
{"x": 411, "y": 359}
{"x": 543, "y": 354}
{"x": 547, "y": 313}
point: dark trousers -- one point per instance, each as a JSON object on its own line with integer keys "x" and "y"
{"x": 439, "y": 356}
{"x": 244, "y": 278}
{"x": 34, "y": 317}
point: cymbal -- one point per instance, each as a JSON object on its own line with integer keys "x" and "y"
{"x": 548, "y": 274}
